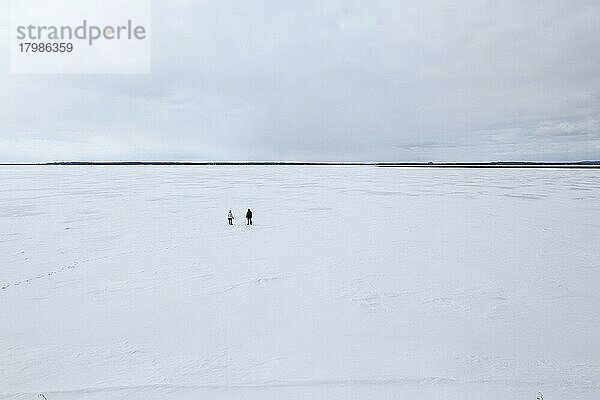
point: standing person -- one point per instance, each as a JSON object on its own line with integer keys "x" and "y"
{"x": 249, "y": 216}
{"x": 230, "y": 217}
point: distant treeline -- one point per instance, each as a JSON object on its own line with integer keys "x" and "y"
{"x": 499, "y": 164}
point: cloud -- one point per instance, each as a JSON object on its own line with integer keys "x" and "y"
{"x": 328, "y": 80}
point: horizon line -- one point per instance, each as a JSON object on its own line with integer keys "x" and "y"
{"x": 431, "y": 164}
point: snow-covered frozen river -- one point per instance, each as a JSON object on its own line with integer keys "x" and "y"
{"x": 353, "y": 283}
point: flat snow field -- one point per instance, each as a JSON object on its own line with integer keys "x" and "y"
{"x": 353, "y": 283}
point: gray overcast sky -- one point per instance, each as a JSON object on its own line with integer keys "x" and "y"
{"x": 388, "y": 80}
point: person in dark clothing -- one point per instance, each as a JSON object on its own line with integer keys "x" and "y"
{"x": 249, "y": 216}
{"x": 230, "y": 217}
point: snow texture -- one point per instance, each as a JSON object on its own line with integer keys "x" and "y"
{"x": 353, "y": 283}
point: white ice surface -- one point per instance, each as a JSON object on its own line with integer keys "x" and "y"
{"x": 354, "y": 283}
